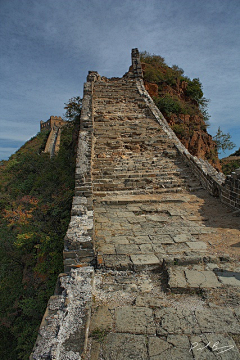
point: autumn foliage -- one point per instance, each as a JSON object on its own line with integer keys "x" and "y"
{"x": 35, "y": 203}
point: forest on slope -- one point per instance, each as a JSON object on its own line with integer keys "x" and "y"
{"x": 35, "y": 202}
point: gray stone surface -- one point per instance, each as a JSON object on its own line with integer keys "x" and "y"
{"x": 135, "y": 320}
{"x": 201, "y": 279}
{"x": 176, "y": 321}
{"x": 219, "y": 320}
{"x": 125, "y": 346}
{"x": 176, "y": 279}
{"x": 197, "y": 245}
{"x": 149, "y": 261}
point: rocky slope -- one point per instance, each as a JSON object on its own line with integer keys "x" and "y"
{"x": 182, "y": 103}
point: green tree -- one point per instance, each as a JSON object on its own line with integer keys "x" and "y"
{"x": 194, "y": 90}
{"x": 223, "y": 141}
{"x": 73, "y": 108}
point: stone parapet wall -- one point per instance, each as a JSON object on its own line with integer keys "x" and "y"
{"x": 78, "y": 242}
{"x": 62, "y": 334}
{"x": 230, "y": 191}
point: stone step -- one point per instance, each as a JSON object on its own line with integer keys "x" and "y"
{"x": 137, "y": 192}
{"x": 201, "y": 276}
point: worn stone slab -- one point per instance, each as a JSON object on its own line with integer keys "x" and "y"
{"x": 135, "y": 320}
{"x": 149, "y": 261}
{"x": 201, "y": 279}
{"x": 172, "y": 347}
{"x": 176, "y": 279}
{"x": 218, "y": 320}
{"x": 197, "y": 245}
{"x": 156, "y": 218}
{"x": 175, "y": 248}
{"x": 107, "y": 249}
{"x": 118, "y": 262}
{"x": 127, "y": 249}
{"x": 125, "y": 346}
{"x": 146, "y": 248}
{"x": 176, "y": 321}
{"x": 144, "y": 239}
{"x": 161, "y": 239}
{"x": 181, "y": 238}
{"x": 119, "y": 240}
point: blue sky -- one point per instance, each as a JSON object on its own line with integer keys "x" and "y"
{"x": 48, "y": 47}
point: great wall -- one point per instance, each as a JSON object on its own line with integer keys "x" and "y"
{"x": 54, "y": 125}
{"x": 151, "y": 256}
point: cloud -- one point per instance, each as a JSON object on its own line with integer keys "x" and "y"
{"x": 47, "y": 48}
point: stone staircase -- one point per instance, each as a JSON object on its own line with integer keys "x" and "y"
{"x": 151, "y": 258}
{"x": 132, "y": 154}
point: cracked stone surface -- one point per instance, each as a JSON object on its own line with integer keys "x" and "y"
{"x": 131, "y": 320}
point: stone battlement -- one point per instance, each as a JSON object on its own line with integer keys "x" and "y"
{"x": 53, "y": 121}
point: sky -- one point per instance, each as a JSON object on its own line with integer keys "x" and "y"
{"x": 47, "y": 48}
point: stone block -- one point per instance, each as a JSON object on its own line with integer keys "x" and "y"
{"x": 197, "y": 245}
{"x": 201, "y": 279}
{"x": 176, "y": 321}
{"x": 128, "y": 249}
{"x": 176, "y": 279}
{"x": 107, "y": 249}
{"x": 135, "y": 320}
{"x": 174, "y": 347}
{"x": 161, "y": 239}
{"x": 118, "y": 262}
{"x": 124, "y": 346}
{"x": 217, "y": 320}
{"x": 182, "y": 238}
{"x": 145, "y": 261}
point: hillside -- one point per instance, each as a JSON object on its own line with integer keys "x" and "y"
{"x": 36, "y": 197}
{"x": 182, "y": 103}
{"x": 231, "y": 162}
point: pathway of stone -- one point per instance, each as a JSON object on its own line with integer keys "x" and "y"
{"x": 167, "y": 284}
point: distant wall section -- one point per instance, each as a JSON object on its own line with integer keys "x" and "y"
{"x": 49, "y": 124}
{"x": 55, "y": 125}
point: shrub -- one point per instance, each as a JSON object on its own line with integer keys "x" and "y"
{"x": 169, "y": 105}
{"x": 180, "y": 130}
